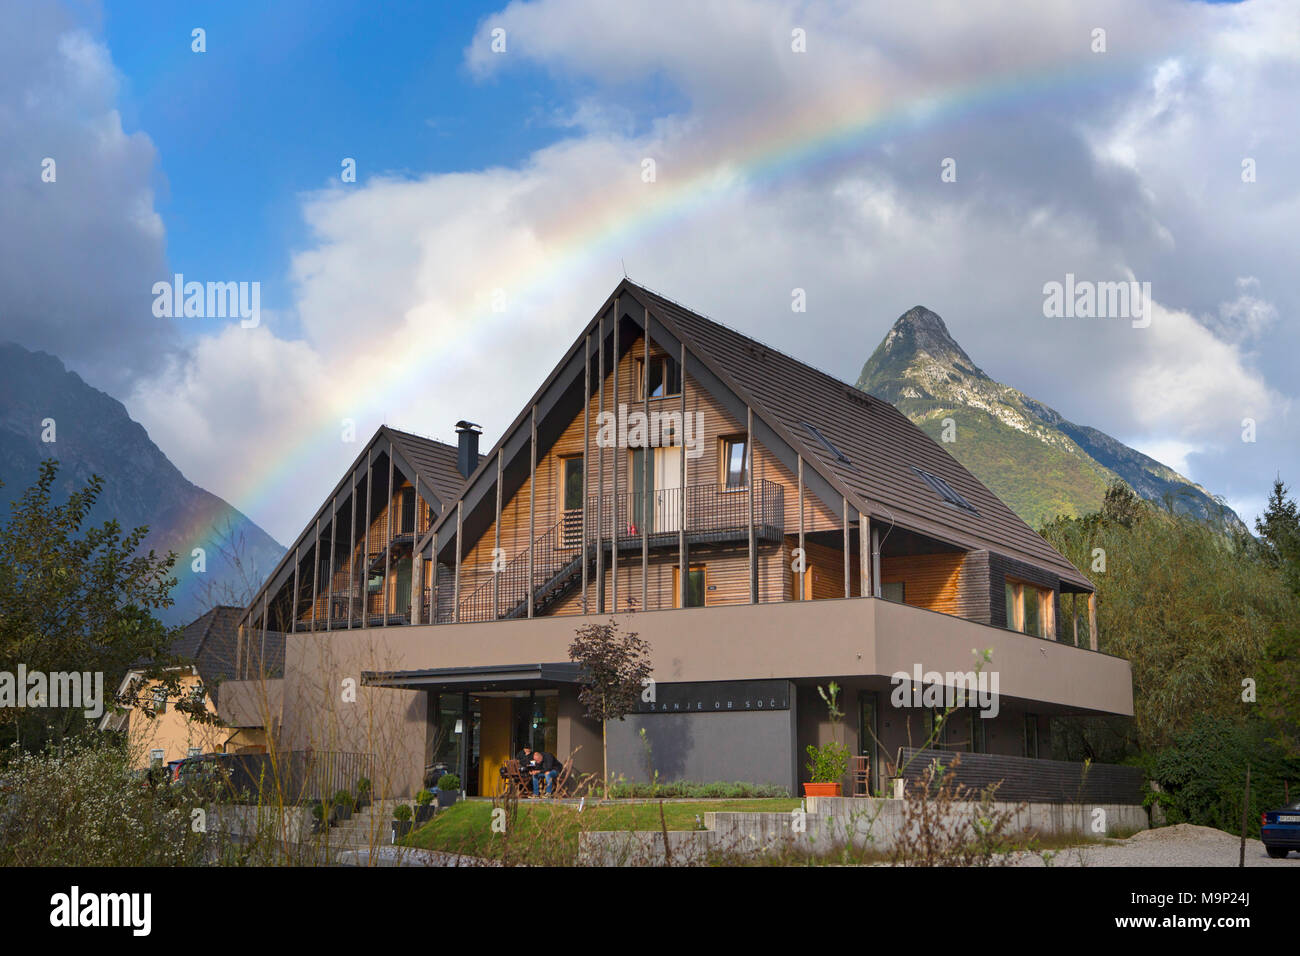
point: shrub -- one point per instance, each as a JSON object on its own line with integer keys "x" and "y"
{"x": 403, "y": 812}
{"x": 449, "y": 781}
{"x": 827, "y": 763}
{"x": 342, "y": 799}
{"x": 363, "y": 787}
{"x": 424, "y": 798}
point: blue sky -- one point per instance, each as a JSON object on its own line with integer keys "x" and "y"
{"x": 520, "y": 174}
{"x": 283, "y": 93}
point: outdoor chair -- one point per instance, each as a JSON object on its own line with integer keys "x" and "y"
{"x": 860, "y": 776}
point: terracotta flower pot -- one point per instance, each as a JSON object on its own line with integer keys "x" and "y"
{"x": 821, "y": 789}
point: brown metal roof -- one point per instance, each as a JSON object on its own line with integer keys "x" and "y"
{"x": 882, "y": 445}
{"x": 435, "y": 461}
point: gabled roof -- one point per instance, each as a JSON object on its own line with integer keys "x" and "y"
{"x": 431, "y": 463}
{"x": 881, "y": 452}
{"x": 885, "y": 450}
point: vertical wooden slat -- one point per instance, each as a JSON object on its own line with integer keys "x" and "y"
{"x": 613, "y": 560}
{"x": 388, "y": 538}
{"x": 297, "y": 593}
{"x": 496, "y": 575}
{"x": 315, "y": 576}
{"x": 364, "y": 588}
{"x": 1074, "y": 615}
{"x": 417, "y": 582}
{"x": 455, "y": 590}
{"x": 329, "y": 592}
{"x": 600, "y": 480}
{"x": 803, "y": 566}
{"x": 646, "y": 451}
{"x": 1092, "y": 620}
{"x": 352, "y": 549}
{"x": 864, "y": 555}
{"x": 749, "y": 474}
{"x": 848, "y": 551}
{"x": 682, "y": 556}
{"x": 532, "y": 511}
{"x": 261, "y": 664}
{"x": 586, "y": 457}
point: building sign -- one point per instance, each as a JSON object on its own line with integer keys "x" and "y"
{"x": 711, "y": 697}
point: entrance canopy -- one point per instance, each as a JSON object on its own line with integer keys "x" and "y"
{"x": 485, "y": 678}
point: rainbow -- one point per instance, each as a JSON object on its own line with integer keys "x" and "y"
{"x": 821, "y": 141}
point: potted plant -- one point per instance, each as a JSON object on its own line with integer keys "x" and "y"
{"x": 343, "y": 801}
{"x": 401, "y": 821}
{"x": 424, "y": 806}
{"x": 448, "y": 790}
{"x": 828, "y": 763}
{"x": 363, "y": 793}
{"x": 317, "y": 816}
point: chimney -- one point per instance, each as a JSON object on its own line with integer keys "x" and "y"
{"x": 467, "y": 447}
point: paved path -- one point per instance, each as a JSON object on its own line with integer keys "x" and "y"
{"x": 1180, "y": 845}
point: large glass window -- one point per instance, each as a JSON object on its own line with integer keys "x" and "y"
{"x": 735, "y": 469}
{"x": 1030, "y": 609}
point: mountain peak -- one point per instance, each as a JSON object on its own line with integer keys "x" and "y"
{"x": 918, "y": 339}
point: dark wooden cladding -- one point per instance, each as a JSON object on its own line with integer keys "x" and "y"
{"x": 1030, "y": 780}
{"x": 1002, "y": 567}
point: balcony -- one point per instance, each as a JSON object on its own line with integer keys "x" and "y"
{"x": 713, "y": 514}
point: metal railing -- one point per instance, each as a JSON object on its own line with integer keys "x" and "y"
{"x": 713, "y": 513}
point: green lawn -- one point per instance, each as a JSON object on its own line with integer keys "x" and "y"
{"x": 547, "y": 833}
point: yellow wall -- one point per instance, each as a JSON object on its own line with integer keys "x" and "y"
{"x": 494, "y": 742}
{"x": 172, "y": 731}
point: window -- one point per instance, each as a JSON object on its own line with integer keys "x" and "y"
{"x": 160, "y": 700}
{"x": 1030, "y": 609}
{"x": 695, "y": 586}
{"x": 1031, "y": 735}
{"x": 893, "y": 591}
{"x": 572, "y": 483}
{"x": 945, "y": 491}
{"x": 735, "y": 469}
{"x": 194, "y": 752}
{"x": 826, "y": 443}
{"x": 156, "y": 757}
{"x": 665, "y": 377}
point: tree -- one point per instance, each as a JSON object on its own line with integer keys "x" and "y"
{"x": 74, "y": 600}
{"x": 1279, "y": 683}
{"x": 615, "y": 667}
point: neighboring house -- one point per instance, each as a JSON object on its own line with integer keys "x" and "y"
{"x": 206, "y": 648}
{"x": 692, "y": 536}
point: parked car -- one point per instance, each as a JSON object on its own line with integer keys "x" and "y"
{"x": 1280, "y": 830}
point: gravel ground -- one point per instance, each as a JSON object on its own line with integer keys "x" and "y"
{"x": 1180, "y": 845}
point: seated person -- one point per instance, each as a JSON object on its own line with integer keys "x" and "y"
{"x": 545, "y": 768}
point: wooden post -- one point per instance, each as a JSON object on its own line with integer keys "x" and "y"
{"x": 864, "y": 555}
{"x": 261, "y": 664}
{"x": 749, "y": 473}
{"x": 682, "y": 554}
{"x": 455, "y": 590}
{"x": 803, "y": 554}
{"x": 586, "y": 457}
{"x": 496, "y": 547}
{"x": 613, "y": 560}
{"x": 417, "y": 581}
{"x": 388, "y": 538}
{"x": 1074, "y": 615}
{"x": 329, "y": 592}
{"x": 364, "y": 596}
{"x": 315, "y": 575}
{"x": 532, "y": 511}
{"x": 848, "y": 551}
{"x": 1092, "y": 620}
{"x": 646, "y": 452}
{"x": 297, "y": 593}
{"x": 433, "y": 584}
{"x": 600, "y": 479}
{"x": 352, "y": 549}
